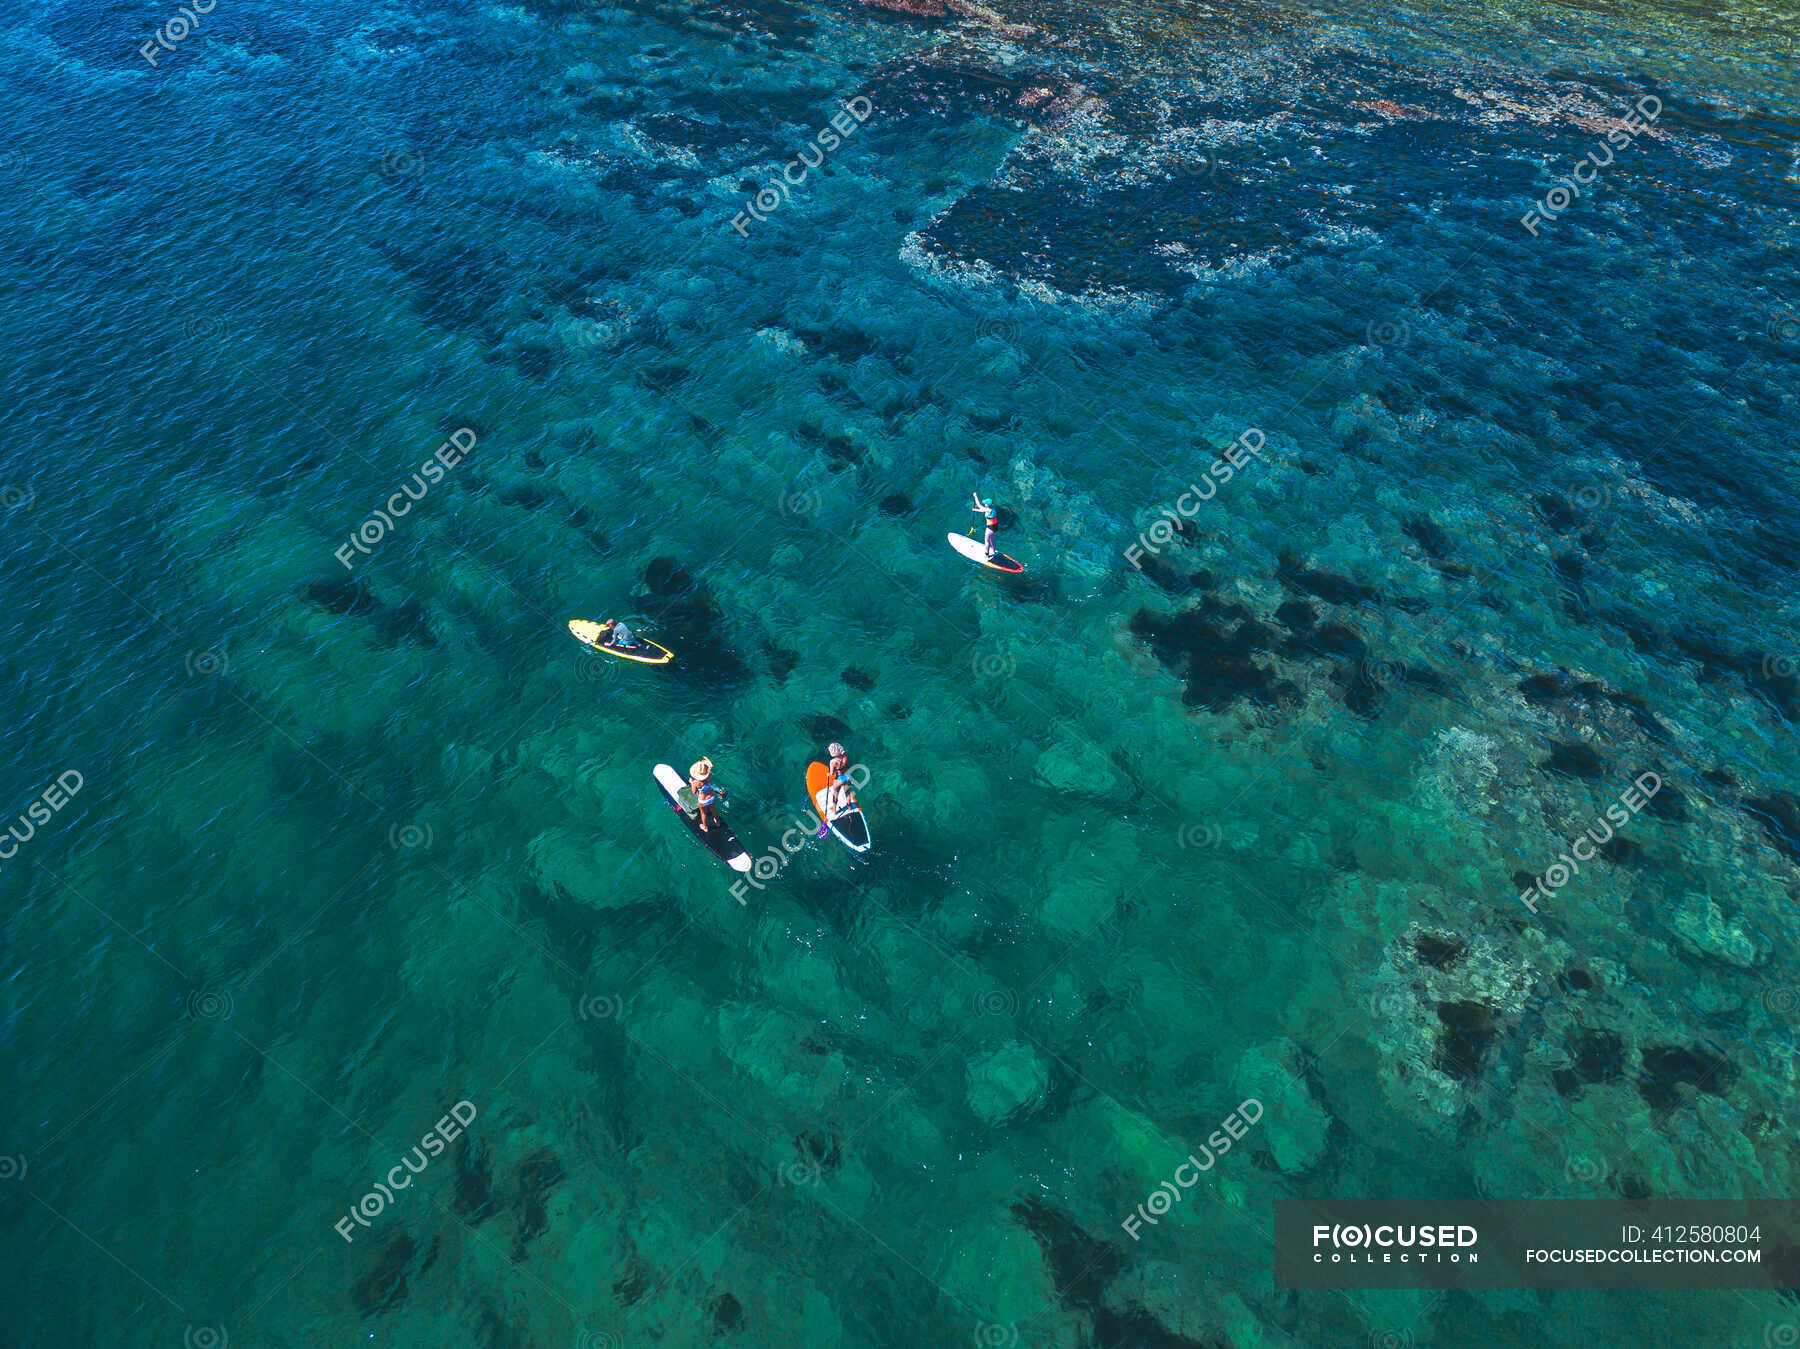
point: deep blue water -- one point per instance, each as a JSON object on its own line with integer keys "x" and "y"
{"x": 1245, "y": 812}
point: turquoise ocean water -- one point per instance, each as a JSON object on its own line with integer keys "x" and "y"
{"x": 1182, "y": 817}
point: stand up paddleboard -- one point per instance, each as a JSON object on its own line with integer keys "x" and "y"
{"x": 850, "y": 826}
{"x": 719, "y": 839}
{"x": 976, "y": 551}
{"x": 646, "y": 652}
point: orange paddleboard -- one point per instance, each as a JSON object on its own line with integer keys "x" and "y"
{"x": 850, "y": 826}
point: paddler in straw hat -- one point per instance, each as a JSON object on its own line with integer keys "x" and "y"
{"x": 706, "y": 794}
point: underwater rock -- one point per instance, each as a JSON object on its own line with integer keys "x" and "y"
{"x": 727, "y": 1313}
{"x": 473, "y": 1196}
{"x": 1006, "y": 1081}
{"x": 1468, "y": 1034}
{"x": 539, "y": 1174}
{"x": 1668, "y": 1066}
{"x": 1076, "y": 768}
{"x": 995, "y": 1267}
{"x": 567, "y": 865}
{"x": 1703, "y": 930}
{"x": 1575, "y": 761}
{"x": 384, "y": 1287}
{"x": 1213, "y": 660}
{"x": 1440, "y": 1015}
{"x": 1599, "y": 1057}
{"x": 349, "y": 599}
{"x": 1294, "y": 1126}
{"x": 1779, "y": 815}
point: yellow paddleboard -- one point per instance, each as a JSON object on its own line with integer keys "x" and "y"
{"x": 647, "y": 652}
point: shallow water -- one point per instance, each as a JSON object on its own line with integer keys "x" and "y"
{"x": 1245, "y": 812}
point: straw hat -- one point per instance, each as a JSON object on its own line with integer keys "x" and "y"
{"x": 701, "y": 770}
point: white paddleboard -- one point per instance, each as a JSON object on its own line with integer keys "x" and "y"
{"x": 976, "y": 551}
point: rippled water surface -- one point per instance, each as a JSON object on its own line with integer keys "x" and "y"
{"x": 1232, "y": 795}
